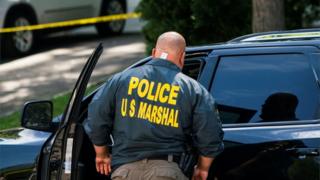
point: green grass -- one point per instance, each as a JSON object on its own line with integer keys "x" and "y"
{"x": 13, "y": 120}
{"x": 59, "y": 105}
{"x": 10, "y": 121}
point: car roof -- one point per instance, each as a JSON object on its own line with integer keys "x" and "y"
{"x": 301, "y": 37}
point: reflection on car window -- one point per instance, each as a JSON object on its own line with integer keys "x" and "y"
{"x": 265, "y": 88}
{"x": 279, "y": 107}
{"x": 232, "y": 115}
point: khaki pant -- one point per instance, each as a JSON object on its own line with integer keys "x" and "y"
{"x": 149, "y": 170}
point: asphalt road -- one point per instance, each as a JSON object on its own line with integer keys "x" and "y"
{"x": 56, "y": 65}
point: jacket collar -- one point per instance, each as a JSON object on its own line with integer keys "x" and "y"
{"x": 164, "y": 63}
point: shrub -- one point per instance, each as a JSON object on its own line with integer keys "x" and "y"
{"x": 199, "y": 21}
{"x": 211, "y": 21}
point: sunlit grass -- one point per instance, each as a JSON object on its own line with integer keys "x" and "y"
{"x": 59, "y": 105}
{"x": 10, "y": 121}
{"x": 13, "y": 120}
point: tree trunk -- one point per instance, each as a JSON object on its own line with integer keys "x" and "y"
{"x": 268, "y": 15}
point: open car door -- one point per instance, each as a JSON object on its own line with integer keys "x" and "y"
{"x": 56, "y": 155}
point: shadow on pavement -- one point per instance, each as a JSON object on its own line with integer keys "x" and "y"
{"x": 67, "y": 39}
{"x": 56, "y": 66}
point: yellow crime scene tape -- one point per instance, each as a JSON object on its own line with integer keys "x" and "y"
{"x": 76, "y": 22}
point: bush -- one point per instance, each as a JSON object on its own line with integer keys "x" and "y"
{"x": 199, "y": 21}
{"x": 162, "y": 16}
{"x": 301, "y": 13}
{"x": 211, "y": 21}
{"x": 217, "y": 21}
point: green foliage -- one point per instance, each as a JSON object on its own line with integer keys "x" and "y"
{"x": 13, "y": 120}
{"x": 217, "y": 21}
{"x": 301, "y": 13}
{"x": 205, "y": 21}
{"x": 162, "y": 16}
{"x": 59, "y": 104}
{"x": 210, "y": 21}
{"x": 10, "y": 121}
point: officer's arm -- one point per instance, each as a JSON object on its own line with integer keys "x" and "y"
{"x": 207, "y": 131}
{"x": 99, "y": 124}
{"x": 101, "y": 114}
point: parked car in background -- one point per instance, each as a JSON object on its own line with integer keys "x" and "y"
{"x": 267, "y": 91}
{"x": 22, "y": 13}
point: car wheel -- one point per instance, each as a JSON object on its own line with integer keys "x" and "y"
{"x": 112, "y": 27}
{"x": 21, "y": 42}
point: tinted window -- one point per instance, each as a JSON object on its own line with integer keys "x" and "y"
{"x": 264, "y": 88}
{"x": 192, "y": 68}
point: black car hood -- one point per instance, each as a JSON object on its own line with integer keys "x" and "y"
{"x": 22, "y": 136}
{"x": 20, "y": 146}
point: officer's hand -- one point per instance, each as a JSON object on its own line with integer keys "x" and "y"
{"x": 199, "y": 174}
{"x": 103, "y": 164}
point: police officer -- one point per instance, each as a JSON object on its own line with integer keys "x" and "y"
{"x": 149, "y": 110}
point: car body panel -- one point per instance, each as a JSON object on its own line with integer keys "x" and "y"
{"x": 19, "y": 151}
{"x": 4, "y": 8}
{"x": 281, "y": 160}
{"x": 133, "y": 25}
{"x": 265, "y": 50}
{"x": 252, "y": 135}
{"x": 241, "y": 45}
{"x": 59, "y": 10}
{"x": 48, "y": 11}
{"x": 272, "y": 150}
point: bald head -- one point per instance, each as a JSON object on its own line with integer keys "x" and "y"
{"x": 170, "y": 46}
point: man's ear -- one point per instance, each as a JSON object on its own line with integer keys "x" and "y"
{"x": 153, "y": 52}
{"x": 181, "y": 61}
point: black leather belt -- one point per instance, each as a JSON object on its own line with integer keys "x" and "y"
{"x": 170, "y": 158}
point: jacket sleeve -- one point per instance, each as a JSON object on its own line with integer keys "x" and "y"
{"x": 101, "y": 113}
{"x": 207, "y": 130}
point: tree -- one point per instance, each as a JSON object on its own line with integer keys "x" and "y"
{"x": 268, "y": 15}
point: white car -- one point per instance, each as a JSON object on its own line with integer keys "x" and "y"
{"x": 28, "y": 12}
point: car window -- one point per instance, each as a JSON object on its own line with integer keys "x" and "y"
{"x": 192, "y": 67}
{"x": 265, "y": 88}
{"x": 316, "y": 63}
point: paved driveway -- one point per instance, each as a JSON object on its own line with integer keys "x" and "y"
{"x": 56, "y": 69}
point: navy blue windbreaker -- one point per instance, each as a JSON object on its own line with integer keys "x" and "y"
{"x": 149, "y": 110}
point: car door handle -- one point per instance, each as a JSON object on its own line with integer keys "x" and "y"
{"x": 304, "y": 151}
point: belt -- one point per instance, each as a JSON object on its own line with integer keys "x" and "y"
{"x": 170, "y": 158}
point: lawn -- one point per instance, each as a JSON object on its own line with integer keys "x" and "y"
{"x": 13, "y": 120}
{"x": 59, "y": 104}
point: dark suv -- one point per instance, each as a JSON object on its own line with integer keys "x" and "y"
{"x": 268, "y": 95}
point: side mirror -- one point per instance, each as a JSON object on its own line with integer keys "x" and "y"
{"x": 37, "y": 115}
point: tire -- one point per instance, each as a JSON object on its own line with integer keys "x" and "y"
{"x": 18, "y": 43}
{"x": 113, "y": 27}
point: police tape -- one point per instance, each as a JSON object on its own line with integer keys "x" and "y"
{"x": 69, "y": 23}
